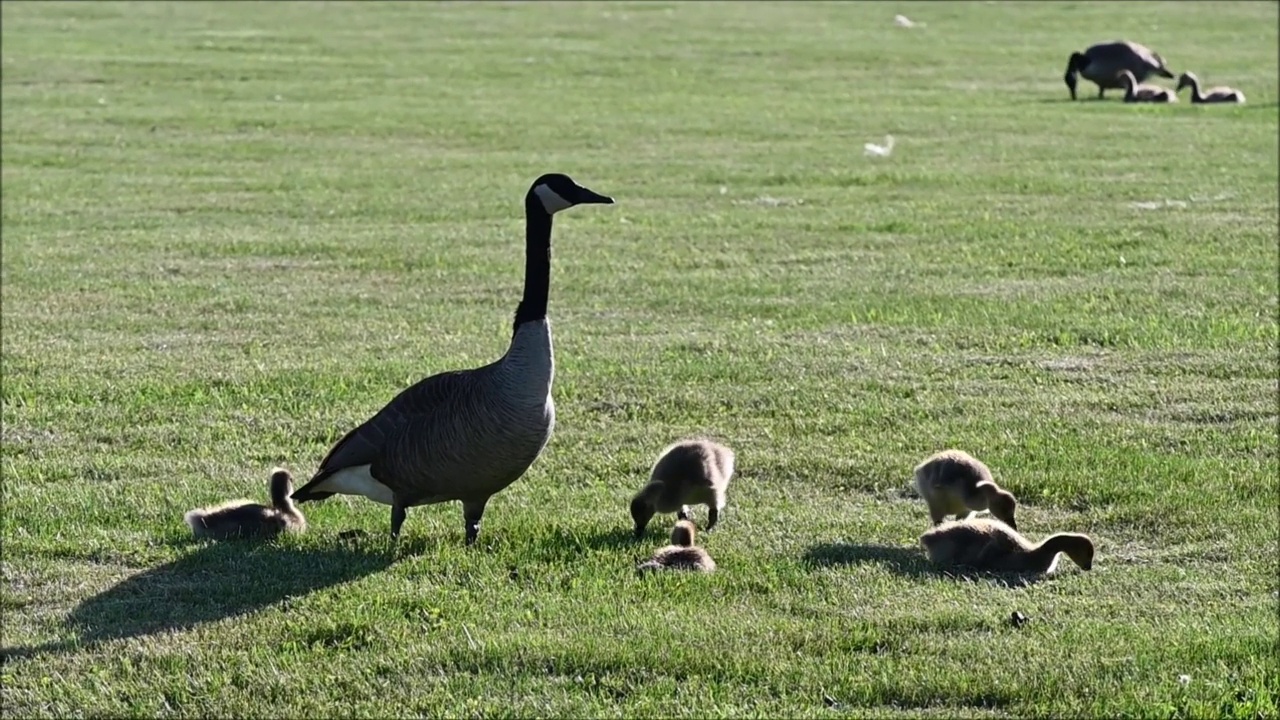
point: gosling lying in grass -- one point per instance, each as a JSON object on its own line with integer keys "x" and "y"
{"x": 1220, "y": 94}
{"x": 245, "y": 519}
{"x": 986, "y": 544}
{"x": 690, "y": 471}
{"x": 954, "y": 482}
{"x": 1138, "y": 92}
{"x": 681, "y": 554}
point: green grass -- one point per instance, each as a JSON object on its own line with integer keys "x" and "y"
{"x": 232, "y": 231}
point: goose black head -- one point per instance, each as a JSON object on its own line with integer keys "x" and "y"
{"x": 554, "y": 192}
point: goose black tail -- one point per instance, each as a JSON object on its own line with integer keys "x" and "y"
{"x": 309, "y": 492}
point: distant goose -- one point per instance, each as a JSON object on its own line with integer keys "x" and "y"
{"x": 1136, "y": 93}
{"x": 245, "y": 519}
{"x": 985, "y": 544}
{"x": 953, "y": 482}
{"x": 465, "y": 434}
{"x": 681, "y": 554}
{"x": 1101, "y": 63}
{"x": 689, "y": 471}
{"x": 1220, "y": 94}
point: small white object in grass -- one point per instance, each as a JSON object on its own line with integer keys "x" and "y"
{"x": 1156, "y": 205}
{"x": 905, "y": 22}
{"x": 723, "y": 190}
{"x": 1184, "y": 679}
{"x": 874, "y": 150}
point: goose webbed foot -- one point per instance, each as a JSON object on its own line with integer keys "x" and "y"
{"x": 472, "y": 512}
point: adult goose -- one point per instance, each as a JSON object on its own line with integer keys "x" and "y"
{"x": 465, "y": 434}
{"x": 1101, "y": 64}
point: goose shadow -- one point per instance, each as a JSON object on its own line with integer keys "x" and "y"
{"x": 913, "y": 562}
{"x": 216, "y": 581}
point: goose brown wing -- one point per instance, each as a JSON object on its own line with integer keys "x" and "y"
{"x": 364, "y": 444}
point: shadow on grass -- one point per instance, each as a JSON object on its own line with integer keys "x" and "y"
{"x": 216, "y": 581}
{"x": 911, "y": 561}
{"x": 902, "y": 560}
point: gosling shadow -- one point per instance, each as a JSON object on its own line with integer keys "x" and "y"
{"x": 215, "y": 582}
{"x": 902, "y": 560}
{"x": 911, "y": 561}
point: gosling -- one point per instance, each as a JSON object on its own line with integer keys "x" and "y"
{"x": 1135, "y": 92}
{"x": 681, "y": 554}
{"x": 1220, "y": 94}
{"x": 245, "y": 519}
{"x": 690, "y": 471}
{"x": 955, "y": 482}
{"x": 986, "y": 544}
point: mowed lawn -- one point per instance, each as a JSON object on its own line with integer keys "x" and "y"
{"x": 232, "y": 231}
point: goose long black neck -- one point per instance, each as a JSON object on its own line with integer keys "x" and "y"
{"x": 537, "y": 263}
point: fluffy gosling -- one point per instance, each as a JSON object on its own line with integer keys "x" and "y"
{"x": 687, "y": 472}
{"x": 953, "y": 482}
{"x": 986, "y": 544}
{"x": 681, "y": 554}
{"x": 1136, "y": 92}
{"x": 245, "y": 519}
{"x": 1220, "y": 94}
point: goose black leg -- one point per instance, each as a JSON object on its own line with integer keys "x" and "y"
{"x": 1101, "y": 90}
{"x": 472, "y": 512}
{"x": 713, "y": 515}
{"x": 397, "y": 519}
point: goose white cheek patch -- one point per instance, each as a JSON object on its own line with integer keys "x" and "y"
{"x": 550, "y": 199}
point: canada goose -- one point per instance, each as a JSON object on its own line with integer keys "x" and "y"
{"x": 241, "y": 518}
{"x": 681, "y": 554}
{"x": 955, "y": 482}
{"x": 1134, "y": 92}
{"x": 465, "y": 434}
{"x": 1220, "y": 94}
{"x": 689, "y": 471}
{"x": 1101, "y": 62}
{"x": 988, "y": 544}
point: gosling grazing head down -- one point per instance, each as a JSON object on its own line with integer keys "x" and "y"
{"x": 694, "y": 471}
{"x": 245, "y": 519}
{"x": 1220, "y": 94}
{"x": 986, "y": 544}
{"x": 681, "y": 554}
{"x": 953, "y": 482}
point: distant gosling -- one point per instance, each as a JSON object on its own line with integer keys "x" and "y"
{"x": 245, "y": 519}
{"x": 1135, "y": 92}
{"x": 955, "y": 482}
{"x": 985, "y": 544}
{"x": 681, "y": 554}
{"x": 1220, "y": 94}
{"x": 690, "y": 471}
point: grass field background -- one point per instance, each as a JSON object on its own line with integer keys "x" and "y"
{"x": 231, "y": 231}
